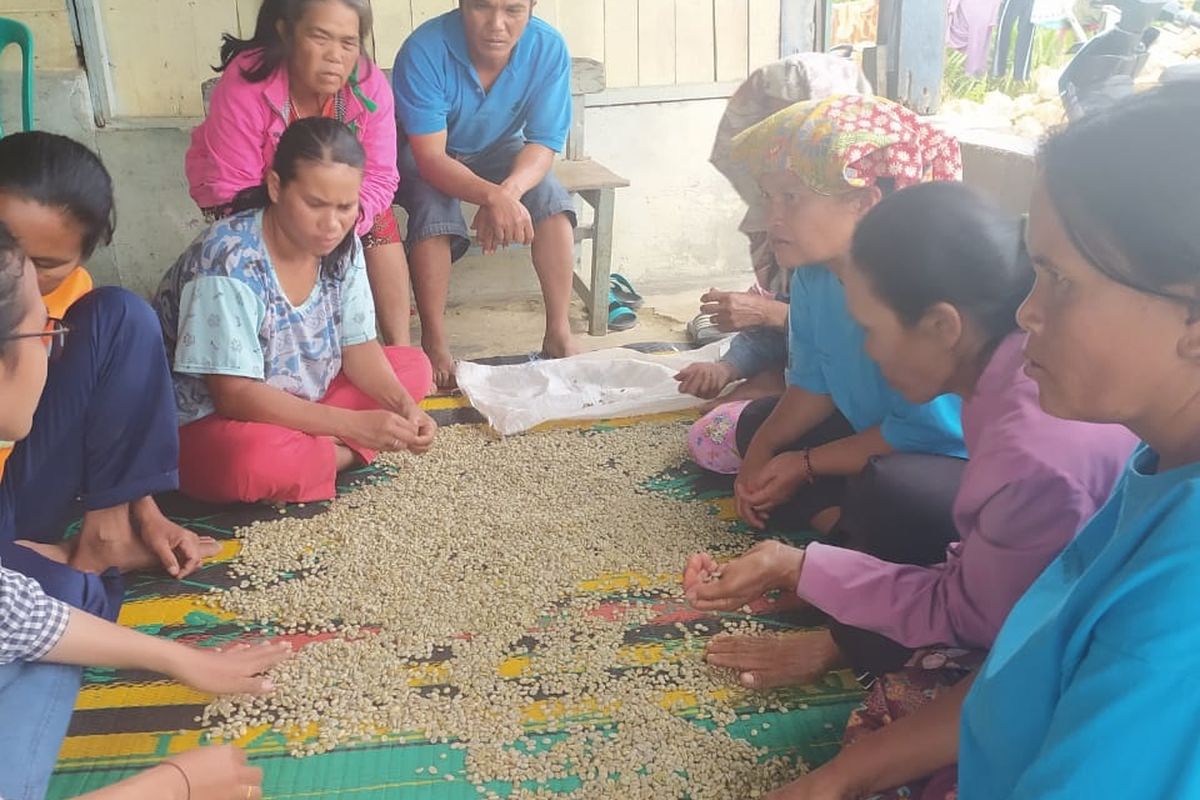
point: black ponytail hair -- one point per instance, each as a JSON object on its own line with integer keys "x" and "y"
{"x": 12, "y": 268}
{"x": 266, "y": 38}
{"x": 316, "y": 140}
{"x": 944, "y": 243}
{"x": 1126, "y": 185}
{"x": 58, "y": 172}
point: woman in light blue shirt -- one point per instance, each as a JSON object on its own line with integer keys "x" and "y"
{"x": 269, "y": 325}
{"x": 822, "y": 166}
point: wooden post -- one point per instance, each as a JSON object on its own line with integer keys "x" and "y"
{"x": 908, "y": 61}
{"x": 587, "y": 77}
{"x": 576, "y": 146}
{"x": 823, "y": 25}
{"x": 878, "y": 61}
{"x": 920, "y": 55}
{"x": 797, "y": 32}
{"x": 604, "y": 201}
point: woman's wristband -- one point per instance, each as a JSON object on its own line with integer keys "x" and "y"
{"x": 809, "y": 474}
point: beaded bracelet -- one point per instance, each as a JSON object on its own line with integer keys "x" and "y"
{"x": 808, "y": 467}
{"x": 186, "y": 781}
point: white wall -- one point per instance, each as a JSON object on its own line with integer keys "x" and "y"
{"x": 677, "y": 222}
{"x": 160, "y": 51}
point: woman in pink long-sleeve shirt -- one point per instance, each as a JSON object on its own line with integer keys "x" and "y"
{"x": 937, "y": 277}
{"x": 306, "y": 59}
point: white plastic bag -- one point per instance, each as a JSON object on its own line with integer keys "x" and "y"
{"x": 603, "y": 384}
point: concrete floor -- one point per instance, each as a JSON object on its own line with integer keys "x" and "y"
{"x": 515, "y": 327}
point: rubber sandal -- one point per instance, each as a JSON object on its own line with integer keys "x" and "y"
{"x": 622, "y": 290}
{"x": 703, "y": 330}
{"x": 620, "y": 316}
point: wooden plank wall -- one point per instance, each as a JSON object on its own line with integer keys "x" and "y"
{"x": 642, "y": 42}
{"x": 53, "y": 44}
{"x": 666, "y": 42}
{"x": 161, "y": 50}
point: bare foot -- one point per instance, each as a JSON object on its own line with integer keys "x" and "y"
{"x": 59, "y": 552}
{"x": 825, "y": 521}
{"x": 179, "y": 551}
{"x": 559, "y": 345}
{"x": 344, "y": 457}
{"x": 107, "y": 539}
{"x": 443, "y": 364}
{"x": 769, "y": 662}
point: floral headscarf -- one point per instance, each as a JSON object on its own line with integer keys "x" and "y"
{"x": 849, "y": 142}
{"x": 768, "y": 90}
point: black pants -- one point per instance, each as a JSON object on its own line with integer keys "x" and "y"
{"x": 797, "y": 514}
{"x": 898, "y": 509}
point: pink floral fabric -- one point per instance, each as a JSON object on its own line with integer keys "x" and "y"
{"x": 712, "y": 441}
{"x": 928, "y": 673}
{"x": 849, "y": 142}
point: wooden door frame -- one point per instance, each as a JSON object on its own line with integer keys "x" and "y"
{"x": 87, "y": 20}
{"x": 804, "y": 26}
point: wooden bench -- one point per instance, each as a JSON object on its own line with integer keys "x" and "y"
{"x": 589, "y": 180}
{"x": 597, "y": 185}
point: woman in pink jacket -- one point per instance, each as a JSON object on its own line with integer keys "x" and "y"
{"x": 306, "y": 60}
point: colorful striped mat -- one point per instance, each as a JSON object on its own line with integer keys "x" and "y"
{"x": 125, "y": 721}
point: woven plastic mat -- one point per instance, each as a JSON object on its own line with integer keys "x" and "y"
{"x": 125, "y": 721}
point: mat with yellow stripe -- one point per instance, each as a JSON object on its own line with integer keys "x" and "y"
{"x": 125, "y": 721}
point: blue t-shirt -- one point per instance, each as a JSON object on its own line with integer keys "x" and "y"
{"x": 827, "y": 355}
{"x": 223, "y": 312}
{"x": 437, "y": 88}
{"x": 1089, "y": 690}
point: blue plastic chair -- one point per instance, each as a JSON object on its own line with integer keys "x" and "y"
{"x": 13, "y": 32}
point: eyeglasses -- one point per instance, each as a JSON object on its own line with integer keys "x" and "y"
{"x": 54, "y": 336}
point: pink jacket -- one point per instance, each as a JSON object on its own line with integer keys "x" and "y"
{"x": 233, "y": 148}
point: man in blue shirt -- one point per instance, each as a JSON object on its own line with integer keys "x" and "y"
{"x": 483, "y": 97}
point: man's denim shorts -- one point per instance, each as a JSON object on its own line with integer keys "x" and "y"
{"x": 432, "y": 213}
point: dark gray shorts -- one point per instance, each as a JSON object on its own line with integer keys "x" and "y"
{"x": 432, "y": 213}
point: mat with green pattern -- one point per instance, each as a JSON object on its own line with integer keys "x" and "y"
{"x": 128, "y": 720}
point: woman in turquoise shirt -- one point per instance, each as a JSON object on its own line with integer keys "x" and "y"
{"x": 1089, "y": 689}
{"x": 822, "y": 165}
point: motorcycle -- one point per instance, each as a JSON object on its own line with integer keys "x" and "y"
{"x": 1103, "y": 70}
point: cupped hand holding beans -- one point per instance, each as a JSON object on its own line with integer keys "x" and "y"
{"x": 425, "y": 429}
{"x": 770, "y": 487}
{"x": 764, "y": 568}
{"x": 380, "y": 430}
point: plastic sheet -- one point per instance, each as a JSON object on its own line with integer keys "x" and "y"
{"x": 603, "y": 384}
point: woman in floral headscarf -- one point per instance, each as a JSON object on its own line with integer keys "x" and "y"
{"x": 822, "y": 165}
{"x": 757, "y": 352}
